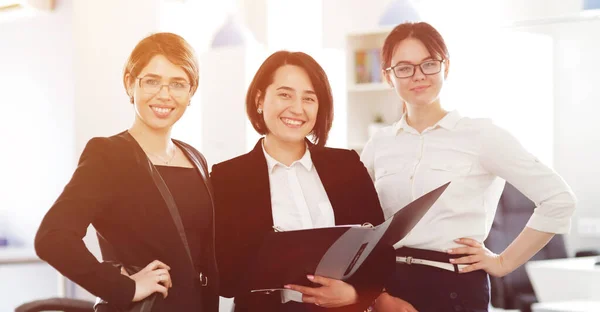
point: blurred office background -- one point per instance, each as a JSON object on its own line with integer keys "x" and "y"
{"x": 530, "y": 65}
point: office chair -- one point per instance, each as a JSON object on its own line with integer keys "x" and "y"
{"x": 514, "y": 291}
{"x": 57, "y": 304}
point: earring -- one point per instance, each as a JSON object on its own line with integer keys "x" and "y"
{"x": 259, "y": 110}
{"x": 131, "y": 99}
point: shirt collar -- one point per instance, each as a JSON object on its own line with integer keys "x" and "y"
{"x": 448, "y": 122}
{"x": 305, "y": 161}
{"x": 402, "y": 125}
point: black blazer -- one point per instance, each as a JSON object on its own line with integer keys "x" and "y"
{"x": 112, "y": 189}
{"x": 243, "y": 216}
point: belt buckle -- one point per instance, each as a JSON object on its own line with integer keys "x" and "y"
{"x": 203, "y": 279}
{"x": 409, "y": 260}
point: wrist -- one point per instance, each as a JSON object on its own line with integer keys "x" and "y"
{"x": 505, "y": 263}
{"x": 381, "y": 298}
{"x": 373, "y": 304}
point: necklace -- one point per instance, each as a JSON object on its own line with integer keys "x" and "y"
{"x": 167, "y": 161}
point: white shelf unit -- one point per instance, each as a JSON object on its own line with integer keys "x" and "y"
{"x": 366, "y": 87}
{"x": 367, "y": 100}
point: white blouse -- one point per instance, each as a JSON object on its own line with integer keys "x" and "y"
{"x": 298, "y": 199}
{"x": 477, "y": 156}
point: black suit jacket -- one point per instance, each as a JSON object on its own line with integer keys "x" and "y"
{"x": 112, "y": 189}
{"x": 243, "y": 216}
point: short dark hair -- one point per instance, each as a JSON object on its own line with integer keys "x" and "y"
{"x": 429, "y": 36}
{"x": 318, "y": 78}
{"x": 172, "y": 46}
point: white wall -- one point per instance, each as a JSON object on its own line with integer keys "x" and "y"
{"x": 37, "y": 88}
{"x": 577, "y": 130}
{"x": 37, "y": 142}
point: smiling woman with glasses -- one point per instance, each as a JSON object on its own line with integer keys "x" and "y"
{"x": 147, "y": 195}
{"x": 443, "y": 257}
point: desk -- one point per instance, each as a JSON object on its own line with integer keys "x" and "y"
{"x": 571, "y": 279}
{"x": 17, "y": 255}
{"x": 25, "y": 255}
{"x": 567, "y": 306}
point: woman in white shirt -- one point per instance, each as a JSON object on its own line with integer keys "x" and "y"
{"x": 430, "y": 146}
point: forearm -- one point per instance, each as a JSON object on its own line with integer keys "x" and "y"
{"x": 525, "y": 246}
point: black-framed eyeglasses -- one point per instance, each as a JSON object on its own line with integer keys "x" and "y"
{"x": 152, "y": 85}
{"x": 429, "y": 67}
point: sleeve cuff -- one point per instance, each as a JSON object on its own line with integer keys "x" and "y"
{"x": 549, "y": 225}
{"x": 121, "y": 290}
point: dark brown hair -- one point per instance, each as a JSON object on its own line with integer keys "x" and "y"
{"x": 172, "y": 46}
{"x": 318, "y": 78}
{"x": 421, "y": 31}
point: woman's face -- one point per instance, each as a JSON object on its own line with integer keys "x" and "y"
{"x": 289, "y": 105}
{"x": 423, "y": 87}
{"x": 161, "y": 93}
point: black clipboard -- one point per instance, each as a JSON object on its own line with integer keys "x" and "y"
{"x": 334, "y": 252}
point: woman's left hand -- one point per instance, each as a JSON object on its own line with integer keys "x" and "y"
{"x": 332, "y": 293}
{"x": 479, "y": 258}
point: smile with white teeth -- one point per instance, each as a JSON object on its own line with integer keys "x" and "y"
{"x": 292, "y": 122}
{"x": 161, "y": 110}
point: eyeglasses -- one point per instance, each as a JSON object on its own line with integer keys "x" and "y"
{"x": 430, "y": 67}
{"x": 152, "y": 85}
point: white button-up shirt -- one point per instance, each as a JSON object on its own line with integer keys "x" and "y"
{"x": 477, "y": 156}
{"x": 298, "y": 200}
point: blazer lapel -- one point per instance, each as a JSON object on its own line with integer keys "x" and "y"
{"x": 330, "y": 181}
{"x": 259, "y": 187}
{"x": 138, "y": 153}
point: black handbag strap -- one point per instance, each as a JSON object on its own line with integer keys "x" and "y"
{"x": 166, "y": 195}
{"x": 199, "y": 162}
{"x": 202, "y": 167}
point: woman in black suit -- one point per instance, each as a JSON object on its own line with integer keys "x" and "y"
{"x": 113, "y": 189}
{"x": 291, "y": 183}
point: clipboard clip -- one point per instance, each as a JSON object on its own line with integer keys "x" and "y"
{"x": 266, "y": 291}
{"x": 278, "y": 229}
{"x": 368, "y": 225}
